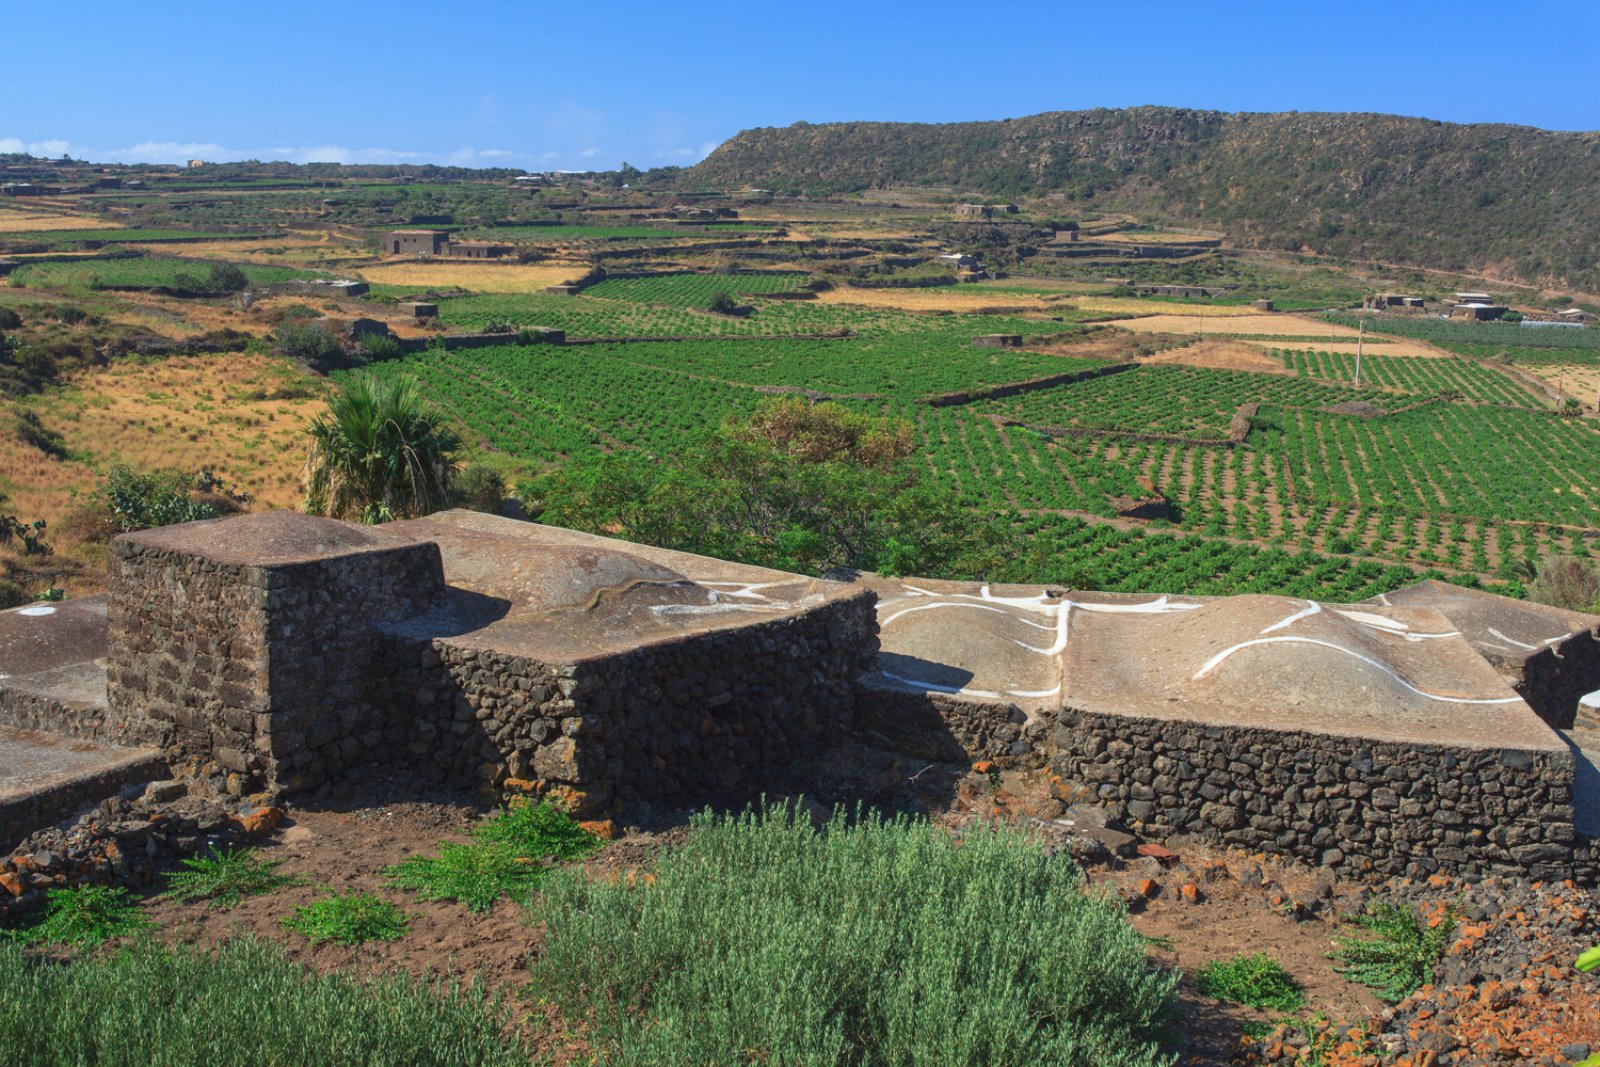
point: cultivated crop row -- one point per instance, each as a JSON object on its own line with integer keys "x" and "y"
{"x": 1410, "y": 374}
{"x": 687, "y": 289}
{"x": 141, "y": 272}
{"x": 1163, "y": 399}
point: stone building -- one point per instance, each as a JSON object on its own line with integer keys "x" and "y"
{"x": 416, "y": 242}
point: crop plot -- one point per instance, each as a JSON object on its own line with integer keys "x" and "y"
{"x": 1407, "y": 375}
{"x": 687, "y": 289}
{"x": 1175, "y": 400}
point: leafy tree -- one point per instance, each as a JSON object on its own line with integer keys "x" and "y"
{"x": 379, "y": 452}
{"x": 797, "y": 486}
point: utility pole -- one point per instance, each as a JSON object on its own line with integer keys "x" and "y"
{"x": 1360, "y": 337}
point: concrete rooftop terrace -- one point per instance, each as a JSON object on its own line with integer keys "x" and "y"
{"x": 520, "y": 588}
{"x": 1400, "y": 672}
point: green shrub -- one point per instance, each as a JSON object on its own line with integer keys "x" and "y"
{"x": 1256, "y": 979}
{"x": 1399, "y": 957}
{"x": 381, "y": 346}
{"x": 83, "y": 916}
{"x": 505, "y": 858}
{"x": 10, "y": 320}
{"x": 762, "y": 940}
{"x": 349, "y": 918}
{"x": 306, "y": 342}
{"x": 1566, "y": 582}
{"x": 481, "y": 488}
{"x": 139, "y": 500}
{"x": 225, "y": 878}
{"x": 244, "y": 1005}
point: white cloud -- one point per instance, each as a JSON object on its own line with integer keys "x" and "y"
{"x": 589, "y": 153}
{"x": 496, "y": 153}
{"x": 549, "y": 155}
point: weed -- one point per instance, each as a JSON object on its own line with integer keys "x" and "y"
{"x": 1399, "y": 957}
{"x": 349, "y": 918}
{"x": 873, "y": 941}
{"x": 225, "y": 878}
{"x": 477, "y": 875}
{"x": 1255, "y": 979}
{"x": 505, "y": 859}
{"x": 83, "y": 917}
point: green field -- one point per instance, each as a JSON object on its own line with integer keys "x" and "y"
{"x": 1412, "y": 375}
{"x": 144, "y": 272}
{"x": 695, "y": 290}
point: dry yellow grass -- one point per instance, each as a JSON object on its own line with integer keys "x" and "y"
{"x": 1150, "y": 238}
{"x": 478, "y": 277}
{"x": 1381, "y": 346}
{"x": 1222, "y": 355}
{"x": 296, "y": 250}
{"x": 14, "y": 221}
{"x": 1127, "y": 305}
{"x": 188, "y": 412}
{"x": 943, "y": 298}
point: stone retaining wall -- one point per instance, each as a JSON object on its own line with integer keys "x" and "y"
{"x": 1361, "y": 807}
{"x": 702, "y": 717}
{"x": 252, "y": 672}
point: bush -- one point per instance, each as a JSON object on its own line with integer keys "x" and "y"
{"x": 381, "y": 346}
{"x": 10, "y": 320}
{"x": 244, "y": 1005}
{"x": 310, "y": 342}
{"x": 221, "y": 279}
{"x": 723, "y": 304}
{"x": 1566, "y": 582}
{"x": 1399, "y": 957}
{"x": 481, "y": 488}
{"x": 1257, "y": 980}
{"x": 141, "y": 500}
{"x": 875, "y": 941}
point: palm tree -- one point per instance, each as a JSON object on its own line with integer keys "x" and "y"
{"x": 379, "y": 452}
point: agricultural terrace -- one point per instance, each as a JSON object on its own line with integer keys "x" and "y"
{"x": 140, "y": 272}
{"x": 696, "y": 290}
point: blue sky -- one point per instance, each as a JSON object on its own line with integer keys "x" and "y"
{"x": 580, "y": 86}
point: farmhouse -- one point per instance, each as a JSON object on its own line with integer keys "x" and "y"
{"x": 477, "y": 249}
{"x": 416, "y": 242}
{"x": 21, "y": 189}
{"x": 974, "y": 211}
{"x": 421, "y": 309}
{"x": 1193, "y": 292}
{"x": 1577, "y": 315}
{"x": 1477, "y": 312}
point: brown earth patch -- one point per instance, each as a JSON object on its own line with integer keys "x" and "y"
{"x": 1222, "y": 355}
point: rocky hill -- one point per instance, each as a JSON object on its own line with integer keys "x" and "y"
{"x": 1508, "y": 201}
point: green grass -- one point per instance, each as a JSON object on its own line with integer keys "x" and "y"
{"x": 348, "y": 918}
{"x": 243, "y": 1005}
{"x": 225, "y": 878}
{"x": 870, "y": 942}
{"x": 505, "y": 859}
{"x": 83, "y": 917}
{"x": 1255, "y": 979}
{"x": 1399, "y": 956}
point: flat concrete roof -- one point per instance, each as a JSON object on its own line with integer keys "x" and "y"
{"x": 1388, "y": 673}
{"x": 266, "y": 538}
{"x": 561, "y": 596}
{"x": 44, "y": 638}
{"x": 36, "y": 762}
{"x": 1499, "y": 627}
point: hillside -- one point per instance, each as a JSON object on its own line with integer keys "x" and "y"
{"x": 1506, "y": 201}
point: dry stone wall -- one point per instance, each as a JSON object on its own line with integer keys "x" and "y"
{"x": 255, "y": 673}
{"x": 702, "y": 717}
{"x": 1361, "y": 807}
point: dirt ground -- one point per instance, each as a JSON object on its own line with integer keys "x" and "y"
{"x": 15, "y": 221}
{"x": 1222, "y": 355}
{"x": 347, "y": 847}
{"x": 938, "y": 298}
